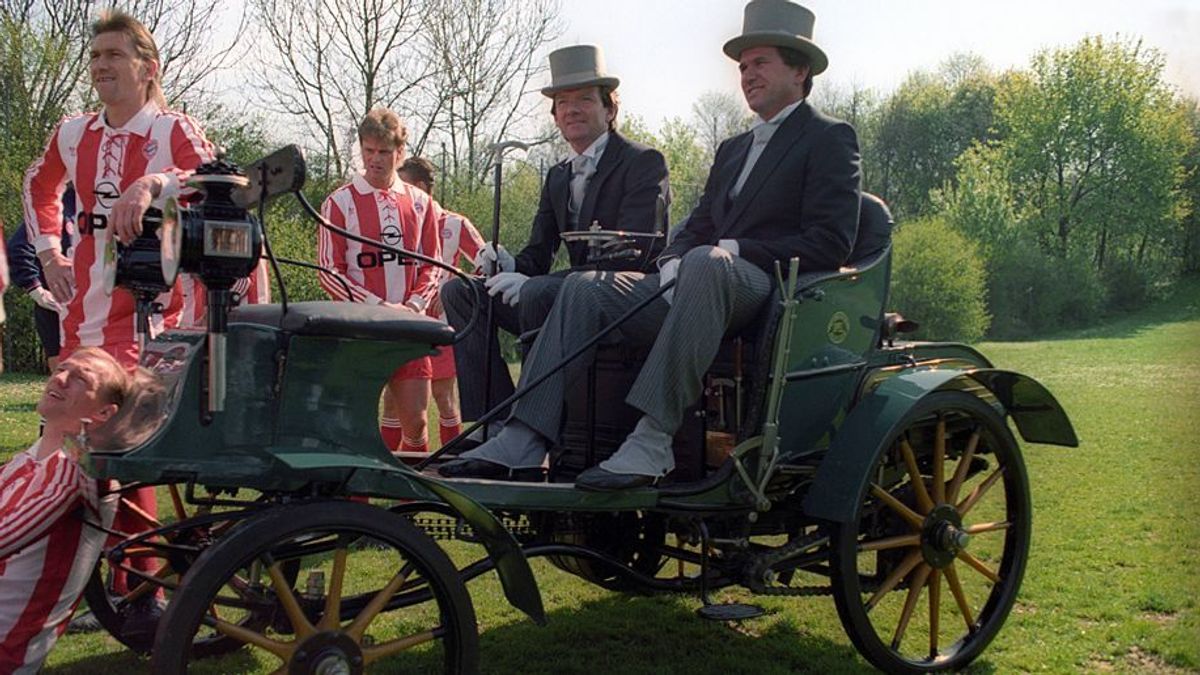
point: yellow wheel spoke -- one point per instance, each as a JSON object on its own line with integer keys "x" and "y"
{"x": 331, "y": 619}
{"x": 291, "y": 606}
{"x": 912, "y": 517}
{"x": 136, "y": 510}
{"x": 988, "y": 527}
{"x": 891, "y": 542}
{"x": 373, "y": 608}
{"x": 281, "y": 649}
{"x": 980, "y": 490}
{"x": 939, "y": 462}
{"x": 910, "y": 603}
{"x": 960, "y": 598}
{"x": 374, "y": 653}
{"x": 177, "y": 502}
{"x": 910, "y": 561}
{"x": 964, "y": 465}
{"x": 979, "y": 566}
{"x": 914, "y": 476}
{"x": 935, "y": 609}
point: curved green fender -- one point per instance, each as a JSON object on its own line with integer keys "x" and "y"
{"x": 516, "y": 577}
{"x": 843, "y": 472}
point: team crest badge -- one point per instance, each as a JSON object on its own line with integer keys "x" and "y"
{"x": 150, "y": 149}
{"x": 447, "y": 232}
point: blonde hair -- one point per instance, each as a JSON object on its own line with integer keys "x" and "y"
{"x": 116, "y": 21}
{"x": 140, "y": 414}
{"x": 384, "y": 125}
{"x": 113, "y": 385}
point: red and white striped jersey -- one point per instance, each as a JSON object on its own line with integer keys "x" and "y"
{"x": 460, "y": 240}
{"x": 193, "y": 296}
{"x": 401, "y": 216}
{"x": 102, "y": 162}
{"x": 46, "y": 551}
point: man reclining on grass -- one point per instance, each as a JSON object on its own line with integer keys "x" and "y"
{"x": 49, "y": 509}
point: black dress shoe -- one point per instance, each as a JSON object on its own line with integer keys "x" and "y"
{"x": 478, "y": 468}
{"x": 596, "y": 479}
{"x": 473, "y": 468}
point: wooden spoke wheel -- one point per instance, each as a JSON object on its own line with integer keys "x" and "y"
{"x": 373, "y": 592}
{"x": 925, "y": 574}
{"x": 130, "y": 614}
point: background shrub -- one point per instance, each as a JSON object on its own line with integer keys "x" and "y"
{"x": 938, "y": 281}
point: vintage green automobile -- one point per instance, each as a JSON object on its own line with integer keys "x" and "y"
{"x": 833, "y": 459}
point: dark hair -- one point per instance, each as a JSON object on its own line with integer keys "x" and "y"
{"x": 794, "y": 58}
{"x": 608, "y": 98}
{"x": 419, "y": 168}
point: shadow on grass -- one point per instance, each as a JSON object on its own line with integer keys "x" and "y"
{"x": 126, "y": 662}
{"x": 624, "y": 634}
{"x": 1181, "y": 305}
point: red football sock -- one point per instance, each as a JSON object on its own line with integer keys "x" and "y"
{"x": 414, "y": 445}
{"x": 391, "y": 432}
{"x": 448, "y": 428}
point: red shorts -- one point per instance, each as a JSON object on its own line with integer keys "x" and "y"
{"x": 417, "y": 369}
{"x": 443, "y": 363}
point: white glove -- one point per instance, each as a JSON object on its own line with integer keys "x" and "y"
{"x": 43, "y": 298}
{"x": 509, "y": 285}
{"x": 666, "y": 273}
{"x": 485, "y": 260}
{"x": 729, "y": 245}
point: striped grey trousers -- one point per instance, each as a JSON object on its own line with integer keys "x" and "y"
{"x": 715, "y": 293}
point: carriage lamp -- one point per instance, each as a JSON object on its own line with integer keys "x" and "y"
{"x": 210, "y": 236}
{"x": 219, "y": 242}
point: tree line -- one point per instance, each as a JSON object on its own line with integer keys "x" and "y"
{"x": 1028, "y": 199}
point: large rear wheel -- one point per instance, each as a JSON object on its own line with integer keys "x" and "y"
{"x": 373, "y": 591}
{"x": 927, "y": 571}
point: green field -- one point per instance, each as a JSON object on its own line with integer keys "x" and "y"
{"x": 1112, "y": 585}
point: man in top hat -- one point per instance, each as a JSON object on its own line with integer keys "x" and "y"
{"x": 788, "y": 188}
{"x": 607, "y": 180}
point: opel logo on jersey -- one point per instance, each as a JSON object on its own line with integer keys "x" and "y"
{"x": 369, "y": 259}
{"x": 106, "y": 194}
{"x": 391, "y": 235}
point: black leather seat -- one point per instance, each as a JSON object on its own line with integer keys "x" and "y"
{"x": 346, "y": 320}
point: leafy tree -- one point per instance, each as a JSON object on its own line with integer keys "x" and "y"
{"x": 918, "y": 132}
{"x": 1092, "y": 145}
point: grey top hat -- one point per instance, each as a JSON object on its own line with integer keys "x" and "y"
{"x": 578, "y": 66}
{"x": 778, "y": 23}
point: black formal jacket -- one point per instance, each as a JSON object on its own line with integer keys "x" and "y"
{"x": 621, "y": 195}
{"x": 800, "y": 200}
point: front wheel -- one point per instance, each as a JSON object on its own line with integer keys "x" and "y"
{"x": 373, "y": 592}
{"x": 946, "y": 508}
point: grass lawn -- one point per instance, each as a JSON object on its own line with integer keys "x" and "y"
{"x": 1112, "y": 583}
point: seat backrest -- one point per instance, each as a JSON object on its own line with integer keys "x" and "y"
{"x": 875, "y": 224}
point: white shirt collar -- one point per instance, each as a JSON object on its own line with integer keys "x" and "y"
{"x": 364, "y": 188}
{"x": 593, "y": 151}
{"x": 780, "y": 116}
{"x": 139, "y": 124}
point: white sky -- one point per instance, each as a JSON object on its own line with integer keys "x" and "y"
{"x": 668, "y": 52}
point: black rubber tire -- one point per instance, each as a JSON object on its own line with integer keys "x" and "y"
{"x": 103, "y": 606}
{"x": 264, "y": 533}
{"x": 966, "y": 411}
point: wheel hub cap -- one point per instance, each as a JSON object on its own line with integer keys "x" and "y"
{"x": 327, "y": 653}
{"x": 943, "y": 536}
